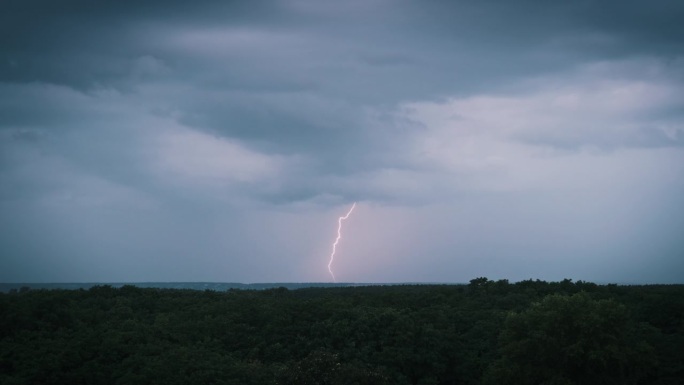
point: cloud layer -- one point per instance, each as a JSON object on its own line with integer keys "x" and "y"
{"x": 220, "y": 141}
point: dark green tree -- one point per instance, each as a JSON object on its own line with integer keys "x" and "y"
{"x": 570, "y": 340}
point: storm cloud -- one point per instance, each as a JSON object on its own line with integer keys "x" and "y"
{"x": 220, "y": 141}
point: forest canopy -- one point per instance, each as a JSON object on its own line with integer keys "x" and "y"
{"x": 491, "y": 332}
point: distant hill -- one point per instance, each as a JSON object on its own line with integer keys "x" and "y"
{"x": 215, "y": 286}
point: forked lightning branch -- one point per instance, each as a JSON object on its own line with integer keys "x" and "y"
{"x": 337, "y": 240}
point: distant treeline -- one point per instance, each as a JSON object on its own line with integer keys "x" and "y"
{"x": 485, "y": 332}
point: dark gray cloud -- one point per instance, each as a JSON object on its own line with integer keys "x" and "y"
{"x": 82, "y": 44}
{"x": 217, "y": 140}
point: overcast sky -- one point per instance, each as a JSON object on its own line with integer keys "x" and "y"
{"x": 221, "y": 140}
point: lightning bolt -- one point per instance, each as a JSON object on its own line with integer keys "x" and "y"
{"x": 337, "y": 240}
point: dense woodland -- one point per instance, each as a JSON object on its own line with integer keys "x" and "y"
{"x": 486, "y": 332}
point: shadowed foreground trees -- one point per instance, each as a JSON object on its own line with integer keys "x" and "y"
{"x": 571, "y": 340}
{"x": 530, "y": 332}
